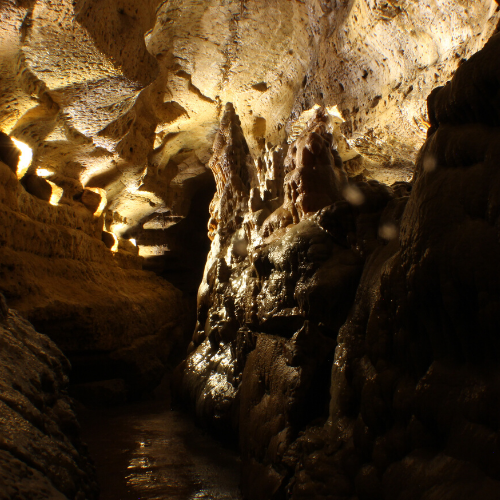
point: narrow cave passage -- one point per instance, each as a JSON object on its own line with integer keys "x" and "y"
{"x": 336, "y": 323}
{"x": 145, "y": 450}
{"x": 182, "y": 242}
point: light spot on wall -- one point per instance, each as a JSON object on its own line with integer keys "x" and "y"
{"x": 56, "y": 195}
{"x": 354, "y": 195}
{"x": 24, "y": 159}
{"x": 43, "y": 172}
{"x": 388, "y": 231}
{"x": 114, "y": 248}
{"x": 103, "y": 202}
{"x": 430, "y": 163}
{"x": 152, "y": 250}
{"x": 335, "y": 114}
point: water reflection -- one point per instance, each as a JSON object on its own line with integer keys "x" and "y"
{"x": 151, "y": 453}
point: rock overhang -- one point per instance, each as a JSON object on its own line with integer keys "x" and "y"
{"x": 127, "y": 97}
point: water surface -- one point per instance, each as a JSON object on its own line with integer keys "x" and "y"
{"x": 146, "y": 451}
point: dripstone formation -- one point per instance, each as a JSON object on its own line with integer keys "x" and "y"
{"x": 346, "y": 326}
{"x": 348, "y": 331}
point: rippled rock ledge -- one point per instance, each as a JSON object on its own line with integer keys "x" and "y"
{"x": 41, "y": 454}
{"x": 348, "y": 331}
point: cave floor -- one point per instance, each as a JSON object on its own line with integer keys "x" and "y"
{"x": 147, "y": 451}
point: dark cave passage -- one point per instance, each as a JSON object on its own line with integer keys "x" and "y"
{"x": 103, "y": 377}
{"x": 143, "y": 448}
{"x": 147, "y": 451}
{"x": 183, "y": 242}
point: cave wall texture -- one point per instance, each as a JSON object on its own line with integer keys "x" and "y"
{"x": 41, "y": 453}
{"x": 350, "y": 336}
{"x": 348, "y": 312}
{"x": 127, "y": 96}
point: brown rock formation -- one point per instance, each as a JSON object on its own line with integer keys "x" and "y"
{"x": 98, "y": 306}
{"x": 414, "y": 382}
{"x": 278, "y": 282}
{"x": 395, "y": 291}
{"x": 41, "y": 454}
{"x": 229, "y": 166}
{"x": 347, "y": 318}
{"x": 313, "y": 178}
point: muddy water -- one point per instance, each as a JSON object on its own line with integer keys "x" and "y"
{"x": 146, "y": 451}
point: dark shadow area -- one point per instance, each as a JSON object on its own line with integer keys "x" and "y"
{"x": 146, "y": 450}
{"x": 186, "y": 243}
{"x": 9, "y": 154}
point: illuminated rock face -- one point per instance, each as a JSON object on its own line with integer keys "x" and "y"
{"x": 319, "y": 258}
{"x": 279, "y": 282}
{"x": 41, "y": 454}
{"x": 354, "y": 349}
{"x": 127, "y": 96}
{"x": 101, "y": 309}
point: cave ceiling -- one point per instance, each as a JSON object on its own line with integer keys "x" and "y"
{"x": 127, "y": 95}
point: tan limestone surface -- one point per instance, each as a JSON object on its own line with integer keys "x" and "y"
{"x": 127, "y": 96}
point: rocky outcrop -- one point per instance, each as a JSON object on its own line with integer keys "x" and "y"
{"x": 41, "y": 454}
{"x": 413, "y": 410}
{"x": 112, "y": 319}
{"x": 353, "y": 346}
{"x": 279, "y": 282}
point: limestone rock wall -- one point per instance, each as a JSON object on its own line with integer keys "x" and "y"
{"x": 112, "y": 319}
{"x": 352, "y": 346}
{"x": 378, "y": 61}
{"x": 127, "y": 96}
{"x": 414, "y": 381}
{"x": 313, "y": 260}
{"x": 41, "y": 454}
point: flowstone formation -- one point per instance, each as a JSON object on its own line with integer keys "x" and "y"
{"x": 348, "y": 331}
{"x": 41, "y": 454}
{"x": 116, "y": 105}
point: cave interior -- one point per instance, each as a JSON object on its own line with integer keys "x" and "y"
{"x": 280, "y": 218}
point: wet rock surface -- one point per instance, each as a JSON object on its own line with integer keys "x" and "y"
{"x": 353, "y": 347}
{"x": 42, "y": 455}
{"x": 148, "y": 451}
{"x": 275, "y": 295}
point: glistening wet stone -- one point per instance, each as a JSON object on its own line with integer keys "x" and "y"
{"x": 146, "y": 451}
